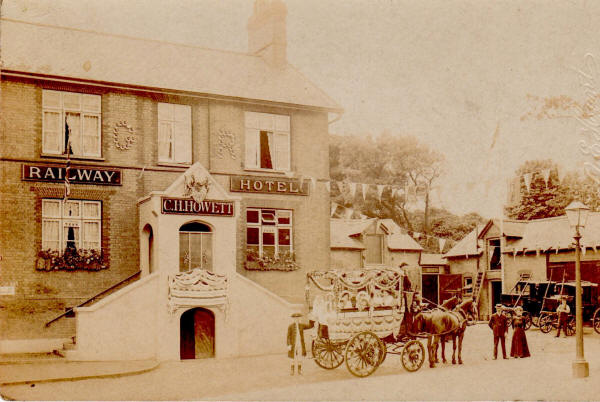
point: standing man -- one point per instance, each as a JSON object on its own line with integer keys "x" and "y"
{"x": 563, "y": 310}
{"x": 295, "y": 342}
{"x": 498, "y": 325}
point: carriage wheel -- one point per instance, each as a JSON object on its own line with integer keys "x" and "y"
{"x": 327, "y": 354}
{"x": 364, "y": 353}
{"x": 413, "y": 355}
{"x": 384, "y": 355}
{"x": 596, "y": 320}
{"x": 527, "y": 321}
{"x": 540, "y": 319}
{"x": 571, "y": 327}
{"x": 546, "y": 323}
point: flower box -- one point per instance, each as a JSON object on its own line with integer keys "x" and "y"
{"x": 283, "y": 262}
{"x": 70, "y": 260}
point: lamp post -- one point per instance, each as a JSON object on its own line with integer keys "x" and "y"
{"x": 577, "y": 214}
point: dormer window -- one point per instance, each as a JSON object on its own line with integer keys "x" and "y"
{"x": 374, "y": 249}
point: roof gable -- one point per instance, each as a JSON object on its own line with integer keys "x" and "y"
{"x": 467, "y": 246}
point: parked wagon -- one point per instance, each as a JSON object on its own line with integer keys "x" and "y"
{"x": 530, "y": 295}
{"x": 589, "y": 300}
{"x": 363, "y": 316}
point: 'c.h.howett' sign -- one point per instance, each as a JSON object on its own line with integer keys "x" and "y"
{"x": 77, "y": 174}
{"x": 250, "y": 184}
{"x": 188, "y": 206}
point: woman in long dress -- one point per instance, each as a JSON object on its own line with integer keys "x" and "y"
{"x": 519, "y": 346}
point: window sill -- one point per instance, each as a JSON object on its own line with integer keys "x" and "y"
{"x": 270, "y": 171}
{"x": 174, "y": 164}
{"x": 78, "y": 158}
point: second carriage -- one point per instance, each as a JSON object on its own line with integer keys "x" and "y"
{"x": 363, "y": 316}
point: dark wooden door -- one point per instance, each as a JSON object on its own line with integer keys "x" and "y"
{"x": 496, "y": 293}
{"x": 197, "y": 334}
{"x": 186, "y": 335}
{"x": 450, "y": 285}
{"x": 430, "y": 288}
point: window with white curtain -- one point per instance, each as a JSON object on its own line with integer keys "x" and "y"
{"x": 75, "y": 224}
{"x": 71, "y": 123}
{"x": 174, "y": 133}
{"x": 267, "y": 141}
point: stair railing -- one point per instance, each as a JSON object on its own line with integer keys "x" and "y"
{"x": 91, "y": 299}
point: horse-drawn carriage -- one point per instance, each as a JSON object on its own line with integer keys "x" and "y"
{"x": 590, "y": 306}
{"x": 529, "y": 295}
{"x": 364, "y": 315}
{"x": 540, "y": 299}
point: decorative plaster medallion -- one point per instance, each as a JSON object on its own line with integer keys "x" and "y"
{"x": 123, "y": 136}
{"x": 196, "y": 188}
{"x": 225, "y": 143}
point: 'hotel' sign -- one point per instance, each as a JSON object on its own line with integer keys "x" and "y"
{"x": 249, "y": 184}
{"x": 188, "y": 206}
{"x": 77, "y": 174}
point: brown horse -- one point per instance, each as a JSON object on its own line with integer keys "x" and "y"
{"x": 447, "y": 305}
{"x": 438, "y": 323}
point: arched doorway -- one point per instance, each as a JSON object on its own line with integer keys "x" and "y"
{"x": 147, "y": 249}
{"x": 195, "y": 247}
{"x": 197, "y": 334}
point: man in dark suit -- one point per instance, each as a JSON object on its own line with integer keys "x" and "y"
{"x": 499, "y": 326}
{"x": 295, "y": 342}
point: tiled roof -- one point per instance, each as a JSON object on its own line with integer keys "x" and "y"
{"x": 344, "y": 234}
{"x": 399, "y": 241}
{"x": 114, "y": 59}
{"x": 538, "y": 234}
{"x": 433, "y": 259}
{"x": 553, "y": 233}
{"x": 343, "y": 230}
{"x": 466, "y": 247}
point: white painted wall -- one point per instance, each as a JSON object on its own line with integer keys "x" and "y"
{"x": 135, "y": 322}
{"x": 121, "y": 326}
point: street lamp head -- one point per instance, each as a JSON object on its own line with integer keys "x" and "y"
{"x": 577, "y": 214}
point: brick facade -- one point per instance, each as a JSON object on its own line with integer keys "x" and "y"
{"x": 44, "y": 294}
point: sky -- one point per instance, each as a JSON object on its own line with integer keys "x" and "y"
{"x": 459, "y": 75}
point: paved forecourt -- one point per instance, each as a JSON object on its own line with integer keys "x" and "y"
{"x": 545, "y": 375}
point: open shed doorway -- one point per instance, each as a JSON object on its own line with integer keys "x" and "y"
{"x": 197, "y": 334}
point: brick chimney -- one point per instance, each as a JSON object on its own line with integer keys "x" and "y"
{"x": 267, "y": 32}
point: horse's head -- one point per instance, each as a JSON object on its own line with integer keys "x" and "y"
{"x": 450, "y": 303}
{"x": 467, "y": 307}
{"x": 419, "y": 323}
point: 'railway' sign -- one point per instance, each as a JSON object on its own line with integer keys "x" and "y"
{"x": 77, "y": 174}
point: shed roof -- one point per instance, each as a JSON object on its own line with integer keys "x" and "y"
{"x": 465, "y": 247}
{"x": 433, "y": 259}
{"x": 343, "y": 232}
{"x": 399, "y": 241}
{"x": 115, "y": 59}
{"x": 555, "y": 233}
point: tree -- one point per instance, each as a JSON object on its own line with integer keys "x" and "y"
{"x": 400, "y": 161}
{"x": 543, "y": 200}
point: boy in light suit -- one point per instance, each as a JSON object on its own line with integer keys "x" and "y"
{"x": 295, "y": 342}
